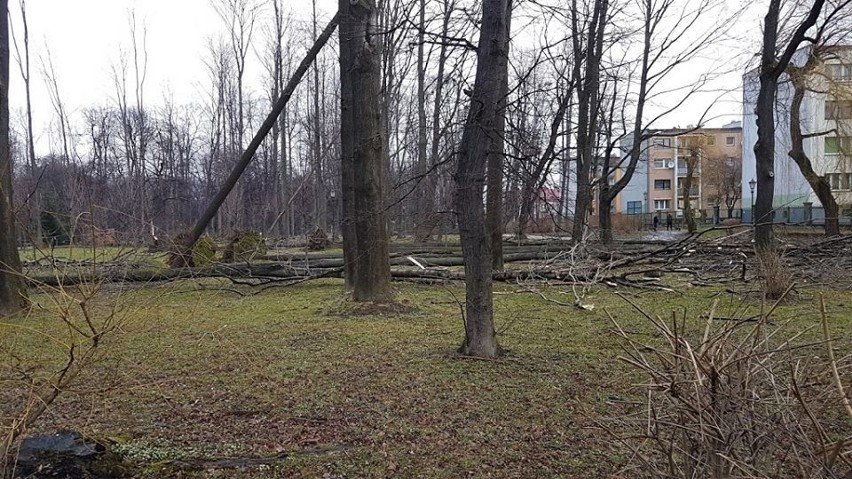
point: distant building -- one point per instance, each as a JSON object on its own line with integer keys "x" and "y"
{"x": 827, "y": 113}
{"x": 657, "y": 183}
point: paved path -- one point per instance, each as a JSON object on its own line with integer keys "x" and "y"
{"x": 662, "y": 235}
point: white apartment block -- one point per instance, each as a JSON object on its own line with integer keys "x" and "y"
{"x": 826, "y": 113}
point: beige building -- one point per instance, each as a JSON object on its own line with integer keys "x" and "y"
{"x": 715, "y": 157}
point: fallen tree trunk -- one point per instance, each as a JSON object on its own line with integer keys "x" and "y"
{"x": 181, "y": 259}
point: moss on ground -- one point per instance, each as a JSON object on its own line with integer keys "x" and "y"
{"x": 345, "y": 391}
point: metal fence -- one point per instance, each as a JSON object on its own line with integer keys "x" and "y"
{"x": 801, "y": 215}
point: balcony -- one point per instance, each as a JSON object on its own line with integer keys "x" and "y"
{"x": 693, "y": 192}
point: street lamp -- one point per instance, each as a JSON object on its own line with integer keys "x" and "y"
{"x": 751, "y": 185}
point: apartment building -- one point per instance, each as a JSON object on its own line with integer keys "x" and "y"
{"x": 713, "y": 154}
{"x": 826, "y": 121}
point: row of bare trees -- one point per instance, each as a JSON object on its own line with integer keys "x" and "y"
{"x": 570, "y": 99}
{"x": 553, "y": 100}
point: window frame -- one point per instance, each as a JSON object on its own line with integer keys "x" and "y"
{"x": 838, "y": 110}
{"x": 634, "y": 207}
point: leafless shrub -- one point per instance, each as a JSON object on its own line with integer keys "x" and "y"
{"x": 735, "y": 401}
{"x": 775, "y": 275}
{"x": 43, "y": 353}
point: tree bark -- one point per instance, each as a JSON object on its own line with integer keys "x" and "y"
{"x": 24, "y": 64}
{"x": 818, "y": 183}
{"x": 496, "y": 157}
{"x": 13, "y": 293}
{"x": 687, "y": 186}
{"x": 587, "y": 102}
{"x": 364, "y": 168}
{"x": 422, "y": 135}
{"x": 764, "y": 150}
{"x": 480, "y": 132}
{"x": 320, "y": 197}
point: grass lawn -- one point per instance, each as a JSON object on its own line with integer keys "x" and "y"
{"x": 100, "y": 254}
{"x": 352, "y": 391}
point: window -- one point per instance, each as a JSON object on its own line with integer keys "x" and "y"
{"x": 634, "y": 207}
{"x": 661, "y": 205}
{"x": 838, "y": 110}
{"x": 840, "y": 72}
{"x": 711, "y": 140}
{"x": 662, "y": 163}
{"x": 662, "y": 142}
{"x": 835, "y": 145}
{"x": 730, "y": 161}
{"x": 662, "y": 184}
{"x": 839, "y": 181}
{"x": 681, "y": 165}
{"x": 730, "y": 140}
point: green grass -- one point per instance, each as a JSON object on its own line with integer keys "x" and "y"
{"x": 100, "y": 254}
{"x": 355, "y": 392}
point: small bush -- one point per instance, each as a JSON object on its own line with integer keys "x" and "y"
{"x": 734, "y": 400}
{"x": 244, "y": 246}
{"x": 775, "y": 275}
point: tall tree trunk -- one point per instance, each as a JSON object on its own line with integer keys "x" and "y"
{"x": 429, "y": 219}
{"x": 364, "y": 168}
{"x": 687, "y": 187}
{"x": 771, "y": 69}
{"x": 479, "y": 134}
{"x": 764, "y": 149}
{"x": 13, "y": 292}
{"x": 24, "y": 64}
{"x": 587, "y": 119}
{"x": 818, "y": 183}
{"x": 496, "y": 157}
{"x": 565, "y": 170}
{"x": 422, "y": 213}
{"x": 320, "y": 197}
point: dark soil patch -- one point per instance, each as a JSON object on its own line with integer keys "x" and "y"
{"x": 357, "y": 310}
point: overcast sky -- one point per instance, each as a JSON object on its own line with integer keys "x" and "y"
{"x": 84, "y": 39}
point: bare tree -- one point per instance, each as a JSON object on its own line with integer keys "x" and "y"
{"x": 320, "y": 199}
{"x": 723, "y": 177}
{"x": 216, "y": 202}
{"x": 496, "y": 159}
{"x": 587, "y": 65}
{"x": 239, "y": 16}
{"x": 805, "y": 77}
{"x": 692, "y": 161}
{"x": 13, "y": 293}
{"x": 429, "y": 200}
{"x": 818, "y": 183}
{"x": 363, "y": 168}
{"x": 23, "y": 61}
{"x": 772, "y": 65}
{"x": 672, "y": 33}
{"x": 478, "y": 139}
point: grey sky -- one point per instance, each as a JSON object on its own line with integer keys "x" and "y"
{"x": 85, "y": 37}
